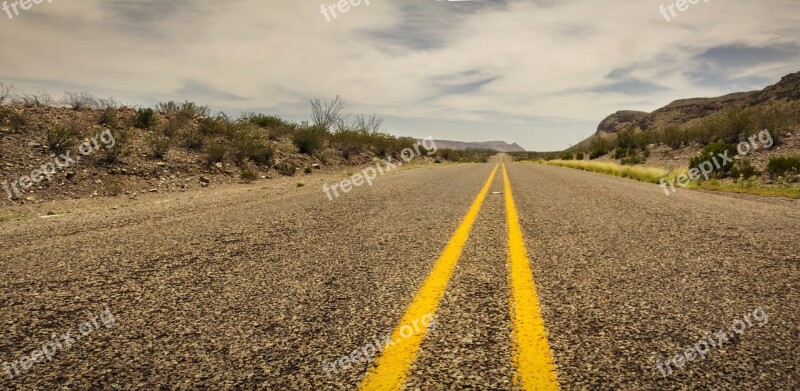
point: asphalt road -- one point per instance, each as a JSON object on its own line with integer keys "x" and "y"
{"x": 264, "y": 287}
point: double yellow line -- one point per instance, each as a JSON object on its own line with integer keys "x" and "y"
{"x": 532, "y": 357}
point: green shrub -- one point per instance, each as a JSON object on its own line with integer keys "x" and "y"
{"x": 249, "y": 176}
{"x": 145, "y": 118}
{"x": 193, "y": 138}
{"x": 567, "y": 156}
{"x": 209, "y": 126}
{"x": 228, "y": 126}
{"x": 597, "y": 153}
{"x": 780, "y": 166}
{"x": 108, "y": 117}
{"x": 632, "y": 160}
{"x": 122, "y": 138}
{"x": 263, "y": 120}
{"x": 215, "y": 152}
{"x": 626, "y": 139}
{"x": 159, "y": 145}
{"x": 310, "y": 140}
{"x": 248, "y": 143}
{"x": 350, "y": 142}
{"x": 579, "y": 156}
{"x": 171, "y": 127}
{"x": 622, "y": 152}
{"x": 308, "y": 170}
{"x": 286, "y": 169}
{"x": 61, "y": 137}
{"x": 711, "y": 151}
{"x": 744, "y": 169}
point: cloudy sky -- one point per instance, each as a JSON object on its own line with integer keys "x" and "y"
{"x": 542, "y": 73}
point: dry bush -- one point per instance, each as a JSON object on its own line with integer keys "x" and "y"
{"x": 79, "y": 100}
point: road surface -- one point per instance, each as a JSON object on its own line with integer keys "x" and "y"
{"x": 485, "y": 276}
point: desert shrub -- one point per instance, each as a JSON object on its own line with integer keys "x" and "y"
{"x": 310, "y": 139}
{"x": 711, "y": 151}
{"x": 168, "y": 107}
{"x": 622, "y": 152}
{"x": 579, "y": 156}
{"x": 144, "y": 118}
{"x": 209, "y": 126}
{"x": 41, "y": 99}
{"x": 227, "y": 126}
{"x": 108, "y": 117}
{"x": 171, "y": 127}
{"x": 744, "y": 169}
{"x": 190, "y": 109}
{"x": 263, "y": 120}
{"x": 17, "y": 121}
{"x": 193, "y": 138}
{"x": 248, "y": 176}
{"x": 780, "y": 166}
{"x": 350, "y": 142}
{"x": 215, "y": 152}
{"x": 108, "y": 103}
{"x": 308, "y": 170}
{"x": 626, "y": 139}
{"x": 325, "y": 114}
{"x": 567, "y": 156}
{"x": 159, "y": 145}
{"x": 596, "y": 153}
{"x": 671, "y": 136}
{"x": 286, "y": 169}
{"x": 61, "y": 137}
{"x": 735, "y": 123}
{"x": 277, "y": 127}
{"x": 249, "y": 144}
{"x": 632, "y": 159}
{"x": 5, "y": 93}
{"x": 79, "y": 100}
{"x": 122, "y": 139}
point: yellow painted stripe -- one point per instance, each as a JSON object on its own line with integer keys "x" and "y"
{"x": 392, "y": 368}
{"x": 532, "y": 357}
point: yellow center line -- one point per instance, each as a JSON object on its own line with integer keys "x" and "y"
{"x": 532, "y": 357}
{"x": 392, "y": 368}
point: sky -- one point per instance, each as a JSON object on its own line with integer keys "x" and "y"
{"x": 541, "y": 73}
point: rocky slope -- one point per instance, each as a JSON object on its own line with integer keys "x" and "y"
{"x": 685, "y": 111}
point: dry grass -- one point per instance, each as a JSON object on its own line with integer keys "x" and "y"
{"x": 654, "y": 175}
{"x": 639, "y": 173}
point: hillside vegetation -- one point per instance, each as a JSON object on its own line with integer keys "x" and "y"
{"x": 175, "y": 146}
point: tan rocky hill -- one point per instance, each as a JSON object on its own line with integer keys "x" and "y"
{"x": 685, "y": 111}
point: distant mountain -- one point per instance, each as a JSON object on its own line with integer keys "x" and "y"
{"x": 499, "y": 146}
{"x": 685, "y": 111}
